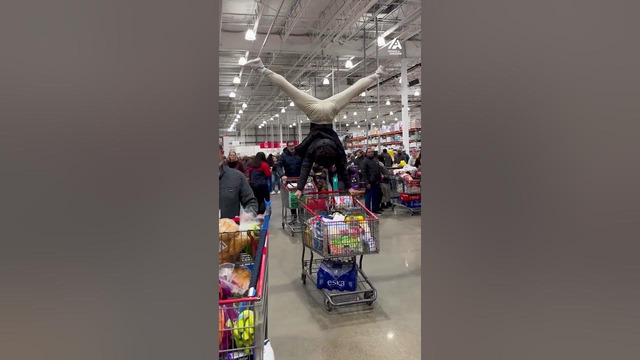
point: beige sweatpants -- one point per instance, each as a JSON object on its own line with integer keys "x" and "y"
{"x": 320, "y": 111}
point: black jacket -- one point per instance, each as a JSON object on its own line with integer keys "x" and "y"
{"x": 371, "y": 173}
{"x": 290, "y": 163}
{"x": 322, "y": 135}
{"x": 388, "y": 161}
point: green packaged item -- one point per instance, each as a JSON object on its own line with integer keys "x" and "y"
{"x": 293, "y": 202}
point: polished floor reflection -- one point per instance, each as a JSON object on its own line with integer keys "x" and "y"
{"x": 301, "y": 328}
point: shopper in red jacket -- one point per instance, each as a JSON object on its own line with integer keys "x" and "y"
{"x": 259, "y": 173}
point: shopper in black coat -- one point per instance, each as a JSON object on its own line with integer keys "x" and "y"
{"x": 372, "y": 177}
{"x": 289, "y": 163}
{"x": 388, "y": 161}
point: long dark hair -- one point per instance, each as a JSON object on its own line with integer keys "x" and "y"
{"x": 270, "y": 160}
{"x": 257, "y": 161}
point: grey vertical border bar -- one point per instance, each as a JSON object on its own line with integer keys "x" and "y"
{"x": 531, "y": 202}
{"x": 108, "y": 179}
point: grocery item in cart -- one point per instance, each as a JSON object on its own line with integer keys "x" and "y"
{"x": 233, "y": 280}
{"x": 231, "y": 241}
{"x": 244, "y": 330}
{"x": 337, "y": 275}
{"x": 228, "y": 315}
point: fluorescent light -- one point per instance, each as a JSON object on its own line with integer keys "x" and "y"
{"x": 238, "y": 116}
{"x": 396, "y": 119}
{"x": 250, "y": 35}
{"x": 282, "y": 111}
{"x": 355, "y": 113}
{"x": 383, "y": 121}
{"x": 347, "y": 124}
{"x": 236, "y": 80}
{"x": 240, "y": 111}
{"x": 417, "y": 93}
{"x": 369, "y": 108}
{"x": 294, "y": 124}
{"x": 388, "y": 103}
{"x": 292, "y": 104}
{"x": 390, "y": 112}
{"x": 345, "y": 116}
{"x": 348, "y": 64}
{"x": 290, "y": 126}
{"x": 355, "y": 122}
{"x": 232, "y": 95}
{"x": 325, "y": 81}
{"x": 277, "y": 115}
{"x": 358, "y": 126}
{"x": 242, "y": 61}
{"x": 364, "y": 93}
{"x": 244, "y": 105}
{"x": 381, "y": 41}
{"x": 235, "y": 120}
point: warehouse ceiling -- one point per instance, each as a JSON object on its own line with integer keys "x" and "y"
{"x": 310, "y": 40}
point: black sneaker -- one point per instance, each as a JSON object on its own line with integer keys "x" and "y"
{"x": 378, "y": 212}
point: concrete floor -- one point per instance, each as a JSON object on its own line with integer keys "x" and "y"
{"x": 301, "y": 328}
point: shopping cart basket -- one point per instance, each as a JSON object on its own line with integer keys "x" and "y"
{"x": 290, "y": 204}
{"x": 243, "y": 321}
{"x": 405, "y": 194}
{"x": 339, "y": 229}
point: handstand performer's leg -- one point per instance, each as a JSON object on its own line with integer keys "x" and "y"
{"x": 300, "y": 98}
{"x": 342, "y": 99}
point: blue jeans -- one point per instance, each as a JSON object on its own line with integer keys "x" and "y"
{"x": 275, "y": 181}
{"x": 270, "y": 183}
{"x": 372, "y": 197}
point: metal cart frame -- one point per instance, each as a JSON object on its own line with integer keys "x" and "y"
{"x": 290, "y": 222}
{"x": 365, "y": 292}
{"x": 398, "y": 187}
{"x": 256, "y": 303}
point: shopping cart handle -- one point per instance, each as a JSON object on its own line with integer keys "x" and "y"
{"x": 322, "y": 192}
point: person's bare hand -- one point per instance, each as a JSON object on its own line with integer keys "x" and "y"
{"x": 352, "y": 192}
{"x": 284, "y": 177}
{"x": 298, "y": 194}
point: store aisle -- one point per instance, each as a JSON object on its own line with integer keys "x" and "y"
{"x": 301, "y": 328}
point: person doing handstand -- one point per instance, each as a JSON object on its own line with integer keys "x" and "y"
{"x": 322, "y": 146}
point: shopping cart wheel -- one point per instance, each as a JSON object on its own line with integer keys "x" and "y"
{"x": 369, "y": 295}
{"x": 327, "y": 304}
{"x": 304, "y": 279}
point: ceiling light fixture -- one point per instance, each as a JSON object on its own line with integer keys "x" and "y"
{"x": 381, "y": 41}
{"x": 345, "y": 116}
{"x": 388, "y": 103}
{"x": 292, "y": 104}
{"x": 325, "y": 81}
{"x": 348, "y": 64}
{"x": 250, "y": 35}
{"x": 364, "y": 93}
{"x": 390, "y": 112}
{"x": 369, "y": 108}
{"x": 240, "y": 111}
{"x": 242, "y": 61}
{"x": 417, "y": 93}
{"x": 355, "y": 113}
{"x": 232, "y": 94}
{"x": 244, "y": 105}
{"x": 236, "y": 80}
{"x": 282, "y": 111}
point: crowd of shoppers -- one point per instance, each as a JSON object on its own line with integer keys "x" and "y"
{"x": 263, "y": 175}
